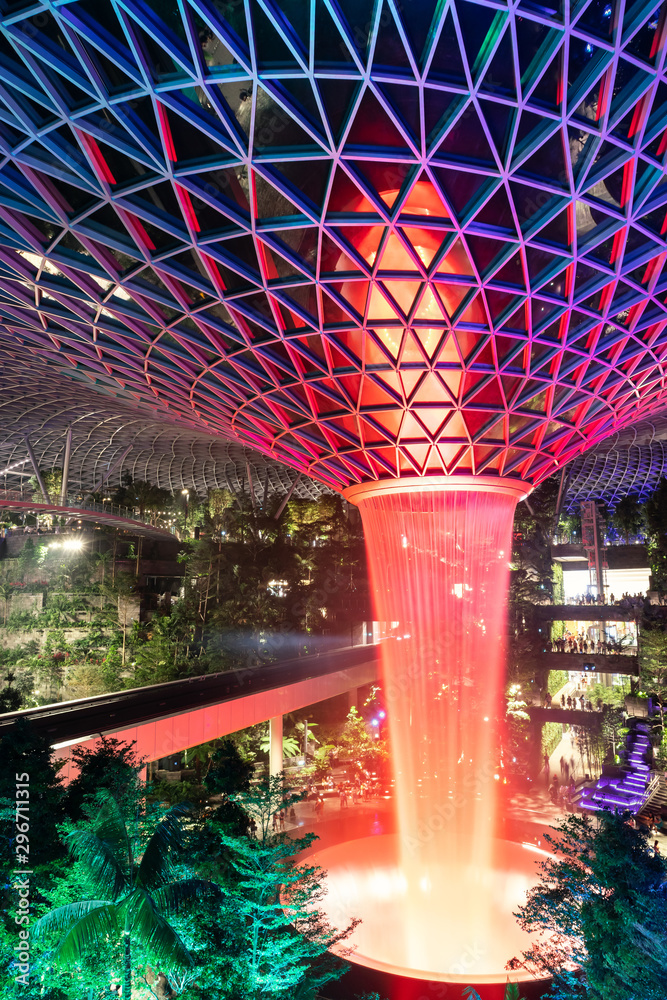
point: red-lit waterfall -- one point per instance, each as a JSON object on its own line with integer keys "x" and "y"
{"x": 438, "y": 898}
{"x": 439, "y": 563}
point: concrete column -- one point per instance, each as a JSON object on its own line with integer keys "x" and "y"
{"x": 66, "y": 461}
{"x": 112, "y": 468}
{"x": 353, "y": 699}
{"x": 276, "y": 745}
{"x": 35, "y": 468}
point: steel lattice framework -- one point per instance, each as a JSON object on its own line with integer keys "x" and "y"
{"x": 109, "y": 436}
{"x": 617, "y": 473}
{"x": 369, "y": 238}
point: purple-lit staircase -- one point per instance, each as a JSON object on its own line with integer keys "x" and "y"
{"x": 629, "y": 790}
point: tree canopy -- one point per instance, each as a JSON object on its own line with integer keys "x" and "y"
{"x": 600, "y": 912}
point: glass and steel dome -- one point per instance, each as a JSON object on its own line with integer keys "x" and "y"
{"x": 370, "y": 238}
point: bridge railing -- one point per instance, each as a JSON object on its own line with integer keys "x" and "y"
{"x": 77, "y": 502}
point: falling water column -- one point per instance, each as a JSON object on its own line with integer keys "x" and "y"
{"x": 439, "y": 553}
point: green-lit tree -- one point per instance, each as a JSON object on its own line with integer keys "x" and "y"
{"x": 653, "y": 660}
{"x": 53, "y": 482}
{"x": 270, "y": 940}
{"x": 361, "y": 746}
{"x": 261, "y": 801}
{"x": 136, "y": 891}
{"x": 600, "y": 909}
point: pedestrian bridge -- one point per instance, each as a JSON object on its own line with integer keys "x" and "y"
{"x": 166, "y": 719}
{"x": 20, "y": 502}
{"x": 596, "y": 663}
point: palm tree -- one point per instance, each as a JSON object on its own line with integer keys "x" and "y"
{"x": 134, "y": 895}
{"x": 6, "y": 592}
{"x": 102, "y": 559}
{"x": 200, "y": 757}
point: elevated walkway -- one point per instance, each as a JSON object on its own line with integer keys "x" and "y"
{"x": 586, "y": 613}
{"x": 573, "y": 717}
{"x": 166, "y": 719}
{"x": 597, "y": 663}
{"x": 98, "y": 513}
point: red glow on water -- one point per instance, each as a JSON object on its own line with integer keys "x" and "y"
{"x": 439, "y": 570}
{"x": 365, "y": 880}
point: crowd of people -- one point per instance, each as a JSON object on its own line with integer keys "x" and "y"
{"x": 561, "y": 791}
{"x": 627, "y": 601}
{"x": 575, "y": 702}
{"x": 581, "y": 644}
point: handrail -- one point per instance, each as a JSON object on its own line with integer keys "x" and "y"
{"x": 72, "y": 503}
{"x": 651, "y": 788}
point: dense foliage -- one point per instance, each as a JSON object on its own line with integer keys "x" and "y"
{"x": 166, "y": 902}
{"x": 600, "y": 909}
{"x": 252, "y": 587}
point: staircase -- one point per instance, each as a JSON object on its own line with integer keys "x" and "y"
{"x": 656, "y": 802}
{"x": 632, "y": 789}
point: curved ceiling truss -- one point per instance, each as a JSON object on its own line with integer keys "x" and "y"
{"x": 370, "y": 239}
{"x": 36, "y": 402}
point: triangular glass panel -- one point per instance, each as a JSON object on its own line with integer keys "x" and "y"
{"x": 346, "y": 196}
{"x": 160, "y": 61}
{"x": 298, "y": 93}
{"x": 379, "y": 308}
{"x": 426, "y": 242}
{"x": 416, "y": 22}
{"x": 548, "y": 163}
{"x": 424, "y": 199}
{"x": 597, "y": 19}
{"x": 404, "y": 99}
{"x": 389, "y": 49}
{"x": 330, "y": 47}
{"x": 386, "y": 179}
{"x": 440, "y": 106}
{"x": 395, "y": 257}
{"x": 500, "y": 305}
{"x": 333, "y": 259}
{"x": 269, "y": 201}
{"x": 467, "y": 141}
{"x": 644, "y": 44}
{"x": 484, "y": 252}
{"x": 446, "y": 64}
{"x": 542, "y": 264}
{"x": 548, "y": 92}
{"x": 275, "y": 129}
{"x": 403, "y": 293}
{"x": 303, "y": 178}
{"x": 480, "y": 28}
{"x": 499, "y": 77}
{"x": 499, "y": 119}
{"x": 456, "y": 261}
{"x": 497, "y": 213}
{"x": 373, "y": 126}
{"x": 364, "y": 239}
{"x": 558, "y": 230}
{"x": 338, "y": 97}
{"x": 271, "y": 48}
{"x": 586, "y": 64}
{"x": 535, "y": 44}
{"x": 429, "y": 308}
{"x": 462, "y": 190}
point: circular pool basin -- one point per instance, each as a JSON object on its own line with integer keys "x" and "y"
{"x": 450, "y": 923}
